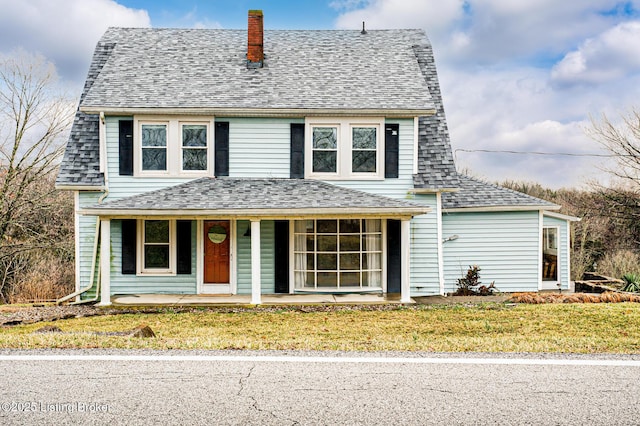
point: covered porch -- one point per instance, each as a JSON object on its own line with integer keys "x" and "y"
{"x": 312, "y": 212}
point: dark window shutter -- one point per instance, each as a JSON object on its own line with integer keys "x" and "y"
{"x": 125, "y": 147}
{"x": 222, "y": 149}
{"x": 183, "y": 246}
{"x": 394, "y": 256}
{"x": 129, "y": 236}
{"x": 297, "y": 151}
{"x": 391, "y": 150}
{"x": 281, "y": 248}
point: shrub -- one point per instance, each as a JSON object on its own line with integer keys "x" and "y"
{"x": 619, "y": 262}
{"x": 631, "y": 283}
{"x": 469, "y": 285}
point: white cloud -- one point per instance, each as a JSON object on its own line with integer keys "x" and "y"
{"x": 494, "y": 61}
{"x": 65, "y": 32}
{"x": 610, "y": 56}
{"x": 435, "y": 15}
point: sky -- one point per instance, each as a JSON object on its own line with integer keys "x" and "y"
{"x": 520, "y": 80}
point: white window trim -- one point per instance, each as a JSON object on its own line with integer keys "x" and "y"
{"x": 383, "y": 259}
{"x": 142, "y": 271}
{"x": 208, "y": 147}
{"x": 344, "y": 156}
{"x": 174, "y": 146}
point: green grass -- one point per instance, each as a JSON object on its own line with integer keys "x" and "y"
{"x": 567, "y": 328}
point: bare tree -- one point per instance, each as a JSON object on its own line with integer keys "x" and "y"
{"x": 622, "y": 140}
{"x": 34, "y": 119}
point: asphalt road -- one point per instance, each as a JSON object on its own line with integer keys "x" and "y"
{"x": 224, "y": 389}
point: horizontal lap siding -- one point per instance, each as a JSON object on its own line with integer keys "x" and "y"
{"x": 424, "y": 250}
{"x": 259, "y": 147}
{"x": 504, "y": 245}
{"x": 267, "y": 258}
{"x": 563, "y": 267}
{"x": 131, "y": 284}
{"x": 87, "y": 230}
{"x": 392, "y": 187}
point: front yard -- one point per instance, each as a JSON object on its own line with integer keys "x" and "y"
{"x": 492, "y": 327}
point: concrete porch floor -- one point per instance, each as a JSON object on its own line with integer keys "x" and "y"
{"x": 267, "y": 299}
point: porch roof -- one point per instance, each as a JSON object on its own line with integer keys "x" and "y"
{"x": 249, "y": 197}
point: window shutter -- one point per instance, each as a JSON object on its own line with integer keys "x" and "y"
{"x": 183, "y": 246}
{"x": 391, "y": 150}
{"x": 222, "y": 149}
{"x": 129, "y": 236}
{"x": 125, "y": 147}
{"x": 297, "y": 151}
{"x": 394, "y": 256}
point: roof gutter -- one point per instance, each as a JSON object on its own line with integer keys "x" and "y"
{"x": 263, "y": 112}
{"x": 80, "y": 188}
{"x": 259, "y": 213}
{"x": 499, "y": 209}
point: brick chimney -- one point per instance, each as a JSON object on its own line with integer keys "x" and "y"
{"x": 255, "y": 52}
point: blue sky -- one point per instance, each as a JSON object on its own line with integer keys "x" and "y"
{"x": 523, "y": 76}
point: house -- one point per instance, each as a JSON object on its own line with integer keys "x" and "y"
{"x": 260, "y": 162}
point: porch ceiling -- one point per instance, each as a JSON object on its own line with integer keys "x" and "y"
{"x": 247, "y": 197}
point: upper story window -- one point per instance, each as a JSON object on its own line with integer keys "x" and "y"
{"x": 194, "y": 146}
{"x": 154, "y": 146}
{"x": 344, "y": 148}
{"x": 172, "y": 147}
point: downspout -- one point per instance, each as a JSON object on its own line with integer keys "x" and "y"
{"x": 96, "y": 236}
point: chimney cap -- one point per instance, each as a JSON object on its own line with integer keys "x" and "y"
{"x": 255, "y": 12}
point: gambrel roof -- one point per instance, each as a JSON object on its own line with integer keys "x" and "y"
{"x": 384, "y": 72}
{"x": 303, "y": 70}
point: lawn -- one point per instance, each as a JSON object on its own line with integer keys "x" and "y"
{"x": 560, "y": 328}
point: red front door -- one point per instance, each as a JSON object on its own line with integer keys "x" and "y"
{"x": 216, "y": 252}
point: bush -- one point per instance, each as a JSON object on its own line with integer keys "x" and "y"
{"x": 469, "y": 285}
{"x": 617, "y": 263}
{"x": 631, "y": 283}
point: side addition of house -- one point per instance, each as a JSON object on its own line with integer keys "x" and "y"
{"x": 262, "y": 162}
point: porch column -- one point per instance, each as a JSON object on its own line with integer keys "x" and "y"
{"x": 105, "y": 262}
{"x": 405, "y": 261}
{"x": 255, "y": 262}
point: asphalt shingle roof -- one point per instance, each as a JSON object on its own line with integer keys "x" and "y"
{"x": 201, "y": 68}
{"x": 436, "y": 168}
{"x": 476, "y": 193}
{"x": 81, "y": 161}
{"x": 246, "y": 194}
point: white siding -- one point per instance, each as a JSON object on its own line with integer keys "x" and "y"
{"x": 504, "y": 245}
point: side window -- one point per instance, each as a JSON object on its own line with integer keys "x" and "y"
{"x": 154, "y": 146}
{"x": 194, "y": 147}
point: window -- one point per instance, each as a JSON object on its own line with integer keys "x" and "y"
{"x": 550, "y": 254}
{"x": 157, "y": 251}
{"x": 172, "y": 147}
{"x": 154, "y": 146}
{"x": 344, "y": 148}
{"x": 325, "y": 149}
{"x": 338, "y": 254}
{"x": 194, "y": 147}
{"x": 364, "y": 149}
